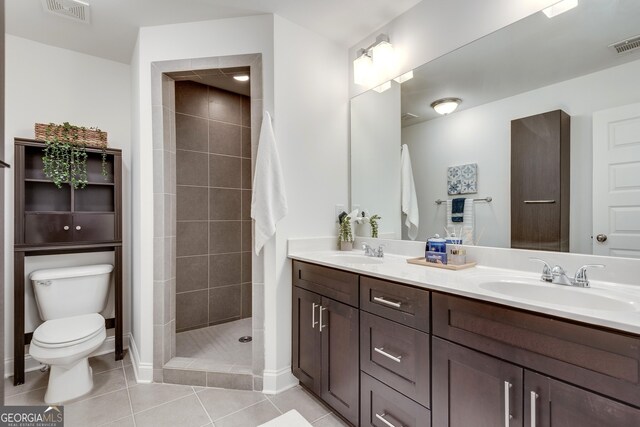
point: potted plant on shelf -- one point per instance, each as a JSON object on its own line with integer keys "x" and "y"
{"x": 65, "y": 156}
{"x": 345, "y": 236}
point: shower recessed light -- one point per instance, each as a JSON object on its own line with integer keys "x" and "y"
{"x": 446, "y": 106}
{"x": 241, "y": 77}
{"x": 560, "y": 7}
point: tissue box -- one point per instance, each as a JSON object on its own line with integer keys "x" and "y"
{"x": 436, "y": 257}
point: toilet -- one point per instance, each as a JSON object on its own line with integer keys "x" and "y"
{"x": 69, "y": 301}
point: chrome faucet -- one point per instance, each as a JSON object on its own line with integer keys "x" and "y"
{"x": 369, "y": 251}
{"x": 558, "y": 276}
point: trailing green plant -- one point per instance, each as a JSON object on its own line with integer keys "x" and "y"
{"x": 65, "y": 155}
{"x": 344, "y": 233}
{"x": 373, "y": 220}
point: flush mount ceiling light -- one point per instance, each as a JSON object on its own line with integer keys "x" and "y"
{"x": 241, "y": 78}
{"x": 379, "y": 56}
{"x": 403, "y": 78}
{"x": 560, "y": 7}
{"x": 446, "y": 106}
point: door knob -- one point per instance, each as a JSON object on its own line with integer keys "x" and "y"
{"x": 78, "y": 228}
{"x": 601, "y": 238}
{"x": 66, "y": 227}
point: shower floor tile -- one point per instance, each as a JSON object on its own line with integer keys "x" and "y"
{"x": 216, "y": 348}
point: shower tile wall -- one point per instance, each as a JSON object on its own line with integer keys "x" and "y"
{"x": 213, "y": 168}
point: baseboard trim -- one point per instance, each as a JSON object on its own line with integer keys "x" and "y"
{"x": 142, "y": 371}
{"x": 30, "y": 364}
{"x": 277, "y": 381}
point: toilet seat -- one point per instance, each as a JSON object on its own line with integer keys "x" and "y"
{"x": 68, "y": 331}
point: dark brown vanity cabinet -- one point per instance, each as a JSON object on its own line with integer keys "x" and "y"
{"x": 325, "y": 337}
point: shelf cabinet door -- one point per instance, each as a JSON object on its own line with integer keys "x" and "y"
{"x": 473, "y": 389}
{"x": 47, "y": 228}
{"x": 549, "y": 402}
{"x": 306, "y": 340}
{"x": 93, "y": 227}
{"x": 340, "y": 358}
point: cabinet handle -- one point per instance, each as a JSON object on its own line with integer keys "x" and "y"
{"x": 383, "y": 300}
{"x": 66, "y": 227}
{"x": 321, "y": 323}
{"x": 381, "y": 418}
{"x": 539, "y": 202}
{"x": 507, "y": 404}
{"x": 534, "y": 398}
{"x": 385, "y": 354}
{"x": 78, "y": 228}
{"x": 313, "y": 315}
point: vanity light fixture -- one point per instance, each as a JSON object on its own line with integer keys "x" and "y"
{"x": 403, "y": 78}
{"x": 241, "y": 78}
{"x": 383, "y": 87}
{"x": 446, "y": 106}
{"x": 378, "y": 56}
{"x": 560, "y": 7}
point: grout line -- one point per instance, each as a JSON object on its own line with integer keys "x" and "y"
{"x": 201, "y": 404}
{"x": 129, "y": 396}
{"x": 246, "y": 407}
{"x": 274, "y": 405}
{"x": 167, "y": 402}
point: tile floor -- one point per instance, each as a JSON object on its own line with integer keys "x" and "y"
{"x": 215, "y": 348}
{"x": 117, "y": 400}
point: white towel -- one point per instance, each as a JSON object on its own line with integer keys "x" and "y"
{"x": 468, "y": 224}
{"x": 409, "y": 198}
{"x": 269, "y": 201}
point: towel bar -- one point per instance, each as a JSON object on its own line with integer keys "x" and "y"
{"x": 486, "y": 199}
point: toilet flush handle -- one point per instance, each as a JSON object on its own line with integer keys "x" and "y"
{"x": 43, "y": 282}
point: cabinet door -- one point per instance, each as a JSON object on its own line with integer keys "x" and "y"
{"x": 47, "y": 228}
{"x": 549, "y": 402}
{"x": 306, "y": 338}
{"x": 340, "y": 370}
{"x": 473, "y": 389}
{"x": 88, "y": 227}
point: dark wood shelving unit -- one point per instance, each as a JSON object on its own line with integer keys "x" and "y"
{"x": 53, "y": 221}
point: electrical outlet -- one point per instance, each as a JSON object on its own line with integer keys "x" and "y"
{"x": 338, "y": 211}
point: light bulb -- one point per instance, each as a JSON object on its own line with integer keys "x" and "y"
{"x": 362, "y": 69}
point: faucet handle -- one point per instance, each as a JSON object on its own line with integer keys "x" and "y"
{"x": 581, "y": 274}
{"x": 547, "y": 275}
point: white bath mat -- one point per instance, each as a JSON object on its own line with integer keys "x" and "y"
{"x": 289, "y": 419}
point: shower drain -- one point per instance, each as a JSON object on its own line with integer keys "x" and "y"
{"x": 246, "y": 338}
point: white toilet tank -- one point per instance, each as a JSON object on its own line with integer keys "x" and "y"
{"x": 71, "y": 291}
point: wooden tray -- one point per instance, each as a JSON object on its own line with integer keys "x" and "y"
{"x": 423, "y": 261}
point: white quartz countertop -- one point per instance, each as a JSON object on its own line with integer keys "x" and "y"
{"x": 604, "y": 304}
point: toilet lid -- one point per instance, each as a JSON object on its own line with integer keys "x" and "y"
{"x": 68, "y": 331}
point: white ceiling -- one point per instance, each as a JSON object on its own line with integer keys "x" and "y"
{"x": 529, "y": 54}
{"x": 114, "y": 23}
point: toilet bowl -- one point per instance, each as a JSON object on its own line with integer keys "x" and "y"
{"x": 69, "y": 301}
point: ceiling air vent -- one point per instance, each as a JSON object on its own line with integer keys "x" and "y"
{"x": 627, "y": 45}
{"x": 408, "y": 116}
{"x": 72, "y": 9}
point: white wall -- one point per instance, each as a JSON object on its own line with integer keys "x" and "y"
{"x": 483, "y": 135}
{"x": 375, "y": 157}
{"x": 434, "y": 27}
{"x": 48, "y": 84}
{"x": 205, "y": 39}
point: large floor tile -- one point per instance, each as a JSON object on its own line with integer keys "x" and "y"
{"x": 122, "y": 422}
{"x": 145, "y": 396}
{"x": 185, "y": 412}
{"x": 330, "y": 420}
{"x": 301, "y": 400}
{"x": 105, "y": 362}
{"x": 32, "y": 381}
{"x": 250, "y": 417}
{"x": 130, "y": 376}
{"x": 221, "y": 402}
{"x": 30, "y": 398}
{"x": 98, "y": 410}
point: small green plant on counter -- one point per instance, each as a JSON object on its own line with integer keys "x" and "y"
{"x": 65, "y": 156}
{"x": 373, "y": 220}
{"x": 345, "y": 234}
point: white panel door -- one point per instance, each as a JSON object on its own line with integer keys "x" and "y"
{"x": 616, "y": 182}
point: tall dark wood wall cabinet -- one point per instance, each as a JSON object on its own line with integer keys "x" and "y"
{"x": 540, "y": 175}
{"x": 2, "y": 165}
{"x": 51, "y": 220}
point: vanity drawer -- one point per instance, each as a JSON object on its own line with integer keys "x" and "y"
{"x": 396, "y": 355}
{"x": 382, "y": 406}
{"x": 400, "y": 303}
{"x": 335, "y": 284}
{"x": 597, "y": 359}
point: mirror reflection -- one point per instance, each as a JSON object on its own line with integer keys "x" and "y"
{"x": 539, "y": 147}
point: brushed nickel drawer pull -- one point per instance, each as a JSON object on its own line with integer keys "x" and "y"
{"x": 539, "y": 202}
{"x": 383, "y": 300}
{"x": 322, "y": 326}
{"x": 381, "y": 418}
{"x": 313, "y": 315}
{"x": 534, "y": 397}
{"x": 385, "y": 354}
{"x": 507, "y": 404}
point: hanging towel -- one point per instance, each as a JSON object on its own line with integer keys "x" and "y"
{"x": 269, "y": 201}
{"x": 468, "y": 224}
{"x": 457, "y": 209}
{"x": 409, "y": 198}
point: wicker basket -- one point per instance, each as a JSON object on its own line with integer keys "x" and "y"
{"x": 87, "y": 137}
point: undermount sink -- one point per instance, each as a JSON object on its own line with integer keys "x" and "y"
{"x": 561, "y": 295}
{"x": 356, "y": 259}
